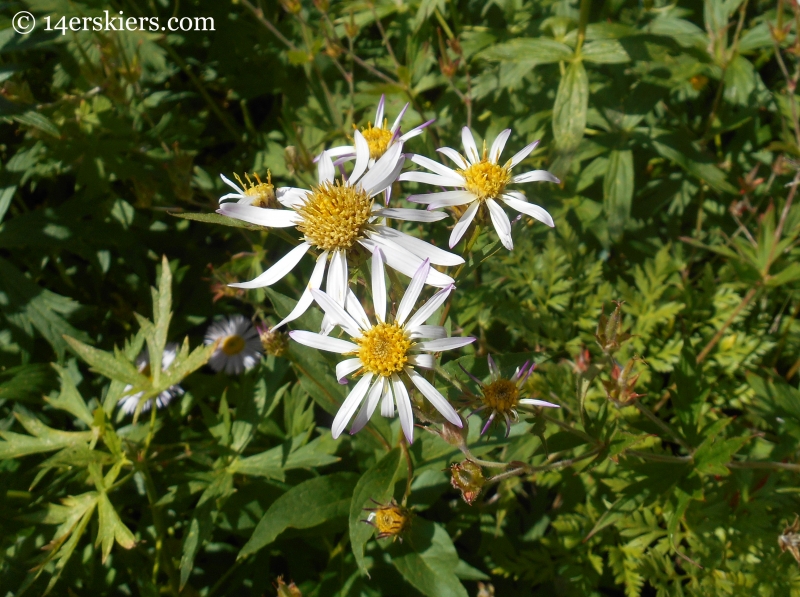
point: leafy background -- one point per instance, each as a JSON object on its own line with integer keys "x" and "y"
{"x": 670, "y": 468}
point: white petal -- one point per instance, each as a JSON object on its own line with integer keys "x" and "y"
{"x": 435, "y": 167}
{"x": 387, "y": 404}
{"x": 378, "y": 286}
{"x": 445, "y": 343}
{"x": 379, "y": 111}
{"x": 362, "y": 157}
{"x": 522, "y": 154}
{"x": 534, "y": 402}
{"x": 411, "y": 295}
{"x": 342, "y": 150}
{"x": 411, "y": 215}
{"x": 346, "y": 367}
{"x": 434, "y": 179}
{"x": 336, "y": 286}
{"x": 232, "y": 184}
{"x": 493, "y": 369}
{"x": 529, "y": 209}
{"x": 426, "y": 361}
{"x": 337, "y": 313}
{"x": 428, "y": 309}
{"x": 446, "y": 198}
{"x": 439, "y": 402}
{"x": 461, "y": 226}
{"x": 426, "y": 331}
{"x": 498, "y": 145}
{"x": 323, "y": 342}
{"x": 385, "y": 170}
{"x": 368, "y": 406}
{"x": 535, "y": 176}
{"x": 350, "y": 405}
{"x": 237, "y": 196}
{"x": 403, "y": 407}
{"x": 399, "y": 119}
{"x": 306, "y": 299}
{"x": 455, "y": 156}
{"x": 501, "y": 223}
{"x": 326, "y": 171}
{"x": 470, "y": 149}
{"x": 403, "y": 261}
{"x": 278, "y": 270}
{"x": 273, "y": 218}
{"x": 291, "y": 196}
{"x": 417, "y": 246}
{"x": 417, "y": 130}
{"x": 356, "y": 311}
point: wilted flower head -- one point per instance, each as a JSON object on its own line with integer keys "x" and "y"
{"x": 273, "y": 341}
{"x": 238, "y": 344}
{"x": 390, "y": 519}
{"x": 387, "y": 353}
{"x": 502, "y": 396}
{"x": 258, "y": 194}
{"x": 481, "y": 180}
{"x": 468, "y": 478}
{"x": 129, "y": 403}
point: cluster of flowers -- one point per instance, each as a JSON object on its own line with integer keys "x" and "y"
{"x": 341, "y": 222}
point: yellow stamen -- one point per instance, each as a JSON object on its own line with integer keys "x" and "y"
{"x": 486, "y": 179}
{"x": 383, "y": 349}
{"x": 335, "y": 216}
{"x": 261, "y": 194}
{"x": 377, "y": 139}
{"x": 501, "y": 395}
{"x": 233, "y": 345}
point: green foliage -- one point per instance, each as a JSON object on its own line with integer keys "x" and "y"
{"x": 669, "y": 468}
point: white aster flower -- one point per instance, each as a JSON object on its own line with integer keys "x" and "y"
{"x": 481, "y": 180}
{"x": 339, "y": 216}
{"x": 129, "y": 403}
{"x": 501, "y": 396}
{"x": 386, "y": 354}
{"x": 258, "y": 194}
{"x": 380, "y": 137}
{"x": 239, "y": 345}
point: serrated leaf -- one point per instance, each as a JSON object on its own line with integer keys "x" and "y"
{"x": 213, "y": 218}
{"x": 39, "y": 121}
{"x": 306, "y": 505}
{"x": 69, "y": 399}
{"x": 114, "y": 367}
{"x": 111, "y": 528}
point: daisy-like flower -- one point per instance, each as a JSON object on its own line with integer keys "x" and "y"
{"x": 238, "y": 345}
{"x": 386, "y": 354}
{"x": 258, "y": 194}
{"x": 380, "y": 137}
{"x": 340, "y": 216}
{"x": 480, "y": 180}
{"x": 129, "y": 403}
{"x": 502, "y": 396}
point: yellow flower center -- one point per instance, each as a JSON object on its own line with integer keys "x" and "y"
{"x": 377, "y": 139}
{"x": 232, "y": 345}
{"x": 335, "y": 215}
{"x": 486, "y": 179}
{"x": 383, "y": 349}
{"x": 501, "y": 395}
{"x": 390, "y": 520}
{"x": 261, "y": 194}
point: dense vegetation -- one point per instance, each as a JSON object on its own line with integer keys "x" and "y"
{"x": 660, "y": 311}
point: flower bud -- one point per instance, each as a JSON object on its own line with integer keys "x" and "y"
{"x": 291, "y": 6}
{"x": 468, "y": 478}
{"x": 350, "y": 28}
{"x": 609, "y": 330}
{"x": 289, "y": 590}
{"x": 620, "y": 388}
{"x": 389, "y": 519}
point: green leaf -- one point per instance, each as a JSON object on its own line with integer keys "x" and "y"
{"x": 376, "y": 484}
{"x": 604, "y": 51}
{"x": 42, "y": 438}
{"x": 39, "y": 121}
{"x": 27, "y": 382}
{"x": 212, "y": 218}
{"x": 112, "y": 366}
{"x": 427, "y": 559}
{"x": 70, "y": 399}
{"x": 713, "y": 454}
{"x": 541, "y": 50}
{"x": 618, "y": 191}
{"x": 306, "y": 505}
{"x": 111, "y": 528}
{"x": 569, "y": 113}
{"x": 6, "y": 196}
{"x": 680, "y": 151}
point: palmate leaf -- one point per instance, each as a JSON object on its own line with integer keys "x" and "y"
{"x": 41, "y": 439}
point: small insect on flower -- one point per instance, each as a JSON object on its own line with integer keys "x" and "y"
{"x": 502, "y": 396}
{"x": 339, "y": 217}
{"x": 238, "y": 345}
{"x": 129, "y": 403}
{"x": 790, "y": 539}
{"x": 258, "y": 194}
{"x": 390, "y": 519}
{"x": 386, "y": 354}
{"x": 482, "y": 181}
